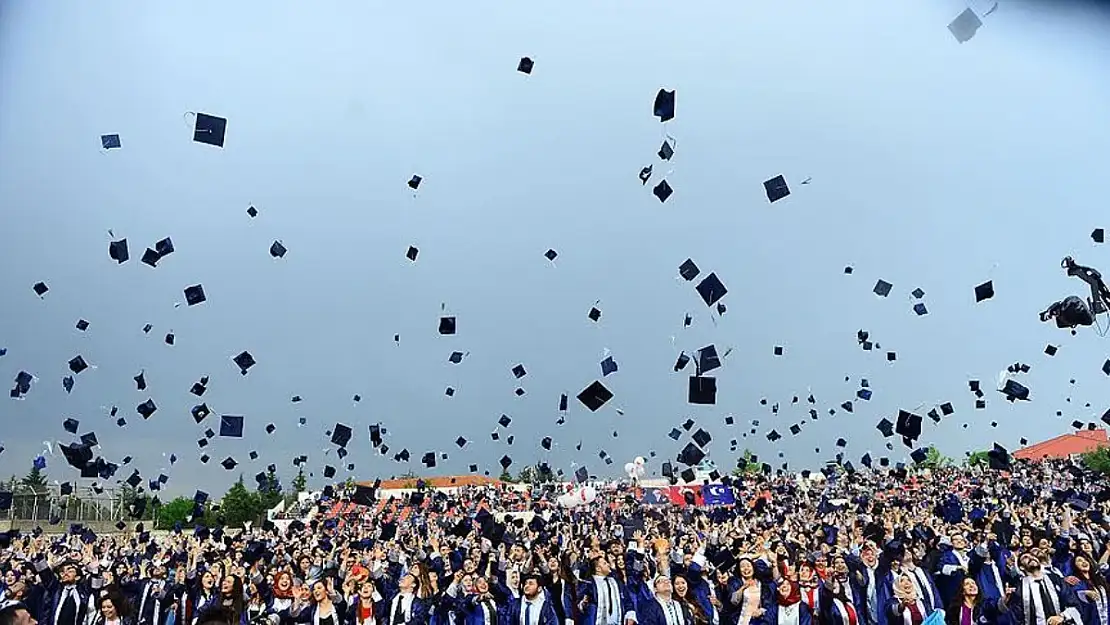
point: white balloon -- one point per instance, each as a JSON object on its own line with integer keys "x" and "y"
{"x": 639, "y": 461}
{"x": 629, "y": 468}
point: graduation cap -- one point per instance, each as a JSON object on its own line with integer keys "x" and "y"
{"x": 169, "y": 338}
{"x": 595, "y": 396}
{"x": 551, "y": 254}
{"x": 89, "y": 438}
{"x": 919, "y": 455}
{"x": 414, "y": 182}
{"x": 908, "y": 425}
{"x": 341, "y": 435}
{"x": 682, "y": 361}
{"x": 702, "y": 390}
{"x": 666, "y": 151}
{"x": 40, "y": 288}
{"x": 231, "y": 426}
{"x": 581, "y": 474}
{"x": 702, "y": 438}
{"x": 525, "y": 65}
{"x": 109, "y": 142}
{"x": 117, "y": 251}
{"x": 244, "y": 361}
{"x": 917, "y": 293}
{"x": 664, "y": 105}
{"x": 277, "y": 250}
{"x": 773, "y": 436}
{"x": 504, "y": 420}
{"x": 594, "y": 314}
{"x": 198, "y": 389}
{"x": 919, "y": 309}
{"x": 964, "y": 27}
{"x": 662, "y": 190}
{"x": 506, "y": 462}
{"x": 77, "y": 364}
{"x": 645, "y": 174}
{"x": 519, "y": 372}
{"x": 147, "y": 408}
{"x": 998, "y": 458}
{"x": 329, "y": 471}
{"x": 252, "y": 211}
{"x": 608, "y": 366}
{"x": 140, "y": 381}
{"x": 210, "y": 130}
{"x": 446, "y": 325}
{"x": 711, "y": 289}
{"x": 688, "y": 270}
{"x": 200, "y": 412}
{"x": 882, "y": 288}
{"x": 984, "y": 291}
{"x": 1014, "y": 390}
{"x": 946, "y": 408}
{"x": 229, "y": 463}
{"x": 1050, "y": 350}
{"x": 194, "y": 295}
{"x": 70, "y": 425}
{"x": 886, "y": 427}
{"x": 776, "y": 188}
{"x": 708, "y": 359}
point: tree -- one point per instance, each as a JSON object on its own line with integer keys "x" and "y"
{"x": 269, "y": 491}
{"x": 979, "y": 458}
{"x": 934, "y": 459}
{"x": 506, "y": 476}
{"x": 239, "y": 505}
{"x": 299, "y": 481}
{"x": 175, "y": 511}
{"x": 1098, "y": 460}
{"x": 527, "y": 475}
{"x": 749, "y": 467}
{"x": 34, "y": 482}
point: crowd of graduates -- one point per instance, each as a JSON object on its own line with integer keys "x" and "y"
{"x": 966, "y": 546}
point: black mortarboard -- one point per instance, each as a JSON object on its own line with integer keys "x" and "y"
{"x": 164, "y": 247}
{"x": 525, "y": 65}
{"x": 582, "y": 474}
{"x": 89, "y": 438}
{"x": 194, "y": 295}
{"x": 414, "y": 182}
{"x": 984, "y": 291}
{"x": 252, "y": 211}
{"x": 688, "y": 270}
{"x": 886, "y": 427}
{"x": 662, "y": 190}
{"x": 109, "y": 142}
{"x": 200, "y": 412}
{"x": 244, "y": 361}
{"x": 198, "y": 389}
{"x": 891, "y": 356}
{"x": 71, "y": 425}
{"x": 702, "y": 390}
{"x": 506, "y": 462}
{"x": 998, "y": 458}
{"x": 946, "y": 408}
{"x": 666, "y": 151}
{"x": 270, "y": 427}
{"x": 664, "y": 105}
{"x": 551, "y": 254}
{"x": 688, "y": 425}
{"x": 688, "y": 475}
{"x": 277, "y": 249}
{"x": 117, "y": 251}
{"x": 329, "y": 471}
{"x": 77, "y": 364}
{"x": 920, "y": 309}
{"x": 229, "y": 463}
{"x": 231, "y": 426}
{"x": 682, "y": 361}
{"x": 1050, "y": 350}
{"x": 1098, "y": 235}
{"x": 140, "y": 381}
{"x": 169, "y": 338}
{"x": 917, "y": 293}
{"x": 209, "y": 433}
{"x": 594, "y": 314}
{"x": 773, "y": 436}
{"x": 595, "y": 396}
{"x": 40, "y": 288}
{"x": 711, "y": 289}
{"x": 341, "y": 435}
{"x": 645, "y": 174}
{"x": 1014, "y": 390}
{"x": 882, "y": 288}
{"x": 519, "y": 372}
{"x": 82, "y": 325}
{"x": 210, "y": 130}
{"x": 776, "y": 188}
{"x": 429, "y": 459}
{"x": 455, "y": 357}
{"x": 795, "y": 429}
{"x": 150, "y": 257}
{"x": 702, "y": 438}
{"x": 908, "y": 425}
{"x": 147, "y": 408}
{"x": 446, "y": 325}
{"x": 708, "y": 359}
{"x": 504, "y": 420}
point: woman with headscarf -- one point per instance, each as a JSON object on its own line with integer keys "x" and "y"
{"x": 789, "y": 607}
{"x": 906, "y": 607}
{"x": 809, "y": 585}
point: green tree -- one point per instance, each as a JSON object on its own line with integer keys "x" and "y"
{"x": 979, "y": 458}
{"x": 934, "y": 459}
{"x": 749, "y": 466}
{"x": 506, "y": 476}
{"x": 527, "y": 475}
{"x": 299, "y": 481}
{"x": 1098, "y": 460}
{"x": 175, "y": 511}
{"x": 240, "y": 505}
{"x": 34, "y": 482}
{"x": 269, "y": 491}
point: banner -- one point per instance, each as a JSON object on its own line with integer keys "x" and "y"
{"x": 718, "y": 495}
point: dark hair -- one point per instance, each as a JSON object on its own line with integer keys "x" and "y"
{"x": 217, "y": 616}
{"x": 9, "y": 614}
{"x": 122, "y": 606}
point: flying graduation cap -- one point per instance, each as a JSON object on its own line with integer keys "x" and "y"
{"x": 776, "y": 188}
{"x": 109, "y": 142}
{"x": 117, "y": 251}
{"x": 525, "y": 65}
{"x": 209, "y": 129}
{"x": 964, "y": 27}
{"x": 664, "y": 105}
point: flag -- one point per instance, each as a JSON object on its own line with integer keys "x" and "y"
{"x": 677, "y": 495}
{"x": 718, "y": 495}
{"x": 653, "y": 496}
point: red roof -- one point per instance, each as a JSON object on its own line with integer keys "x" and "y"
{"x": 450, "y": 481}
{"x": 1065, "y": 445}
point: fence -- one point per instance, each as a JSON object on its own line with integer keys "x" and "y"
{"x": 83, "y": 506}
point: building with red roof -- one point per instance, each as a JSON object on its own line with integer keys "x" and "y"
{"x": 1065, "y": 445}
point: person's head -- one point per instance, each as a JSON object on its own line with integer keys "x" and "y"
{"x": 907, "y": 561}
{"x": 969, "y": 589}
{"x": 959, "y": 543}
{"x": 108, "y": 609}
{"x": 481, "y": 585}
{"x": 840, "y": 566}
{"x": 747, "y": 570}
{"x": 785, "y": 587}
{"x": 11, "y": 577}
{"x": 805, "y": 572}
{"x": 158, "y": 571}
{"x": 16, "y": 614}
{"x": 599, "y": 565}
{"x": 366, "y": 589}
{"x": 470, "y": 565}
{"x": 867, "y": 554}
{"x": 407, "y": 583}
{"x": 1029, "y": 564}
{"x": 531, "y": 586}
{"x": 319, "y": 592}
{"x": 681, "y": 586}
{"x": 1082, "y": 565}
{"x": 283, "y": 581}
{"x": 227, "y": 584}
{"x": 516, "y": 552}
{"x": 905, "y": 589}
{"x": 207, "y": 580}
{"x": 553, "y": 565}
{"x": 68, "y": 574}
{"x": 663, "y": 586}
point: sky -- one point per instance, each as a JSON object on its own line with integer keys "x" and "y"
{"x": 933, "y": 164}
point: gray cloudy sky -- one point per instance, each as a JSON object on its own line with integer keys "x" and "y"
{"x": 934, "y": 165}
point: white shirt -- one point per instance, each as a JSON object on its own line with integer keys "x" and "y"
{"x": 537, "y": 605}
{"x": 406, "y": 607}
{"x": 608, "y": 601}
{"x": 671, "y": 610}
{"x": 790, "y": 614}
